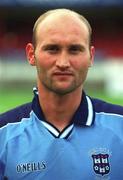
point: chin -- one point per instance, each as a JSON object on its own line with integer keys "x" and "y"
{"x": 61, "y": 91}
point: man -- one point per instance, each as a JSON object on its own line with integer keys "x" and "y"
{"x": 63, "y": 134}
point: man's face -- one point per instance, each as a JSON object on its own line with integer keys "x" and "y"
{"x": 62, "y": 54}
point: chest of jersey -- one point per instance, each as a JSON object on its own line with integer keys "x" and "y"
{"x": 85, "y": 154}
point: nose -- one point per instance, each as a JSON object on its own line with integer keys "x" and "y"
{"x": 62, "y": 61}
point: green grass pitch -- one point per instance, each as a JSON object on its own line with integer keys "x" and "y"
{"x": 12, "y": 98}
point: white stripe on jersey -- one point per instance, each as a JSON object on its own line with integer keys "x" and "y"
{"x": 90, "y": 112}
{"x": 55, "y": 132}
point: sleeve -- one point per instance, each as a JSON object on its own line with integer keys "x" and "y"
{"x": 2, "y": 152}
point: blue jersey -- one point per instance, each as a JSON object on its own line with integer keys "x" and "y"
{"x": 90, "y": 148}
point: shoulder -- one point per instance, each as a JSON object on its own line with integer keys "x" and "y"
{"x": 106, "y": 107}
{"x": 108, "y": 118}
{"x": 16, "y": 114}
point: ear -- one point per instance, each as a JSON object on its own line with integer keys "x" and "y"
{"x": 30, "y": 54}
{"x": 92, "y": 54}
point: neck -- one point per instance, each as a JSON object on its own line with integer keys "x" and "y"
{"x": 59, "y": 110}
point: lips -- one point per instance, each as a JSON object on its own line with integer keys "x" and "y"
{"x": 62, "y": 76}
{"x": 66, "y": 73}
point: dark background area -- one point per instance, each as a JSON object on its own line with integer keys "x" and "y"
{"x": 17, "y": 20}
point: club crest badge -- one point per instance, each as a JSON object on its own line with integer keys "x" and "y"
{"x": 101, "y": 164}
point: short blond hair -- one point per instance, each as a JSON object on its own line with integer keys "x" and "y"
{"x": 68, "y": 11}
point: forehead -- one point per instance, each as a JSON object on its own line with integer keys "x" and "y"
{"x": 62, "y": 24}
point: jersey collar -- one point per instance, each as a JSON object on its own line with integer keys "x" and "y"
{"x": 83, "y": 116}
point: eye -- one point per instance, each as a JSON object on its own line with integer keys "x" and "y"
{"x": 53, "y": 49}
{"x": 75, "y": 49}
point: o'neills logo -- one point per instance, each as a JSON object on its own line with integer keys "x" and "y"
{"x": 30, "y": 167}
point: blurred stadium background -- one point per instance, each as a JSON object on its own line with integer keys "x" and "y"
{"x": 17, "y": 78}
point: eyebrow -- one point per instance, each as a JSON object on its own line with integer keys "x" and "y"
{"x": 77, "y": 46}
{"x": 47, "y": 46}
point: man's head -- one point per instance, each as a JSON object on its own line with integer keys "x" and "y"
{"x": 61, "y": 51}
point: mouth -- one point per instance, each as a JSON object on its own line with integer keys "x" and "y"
{"x": 63, "y": 73}
{"x": 62, "y": 76}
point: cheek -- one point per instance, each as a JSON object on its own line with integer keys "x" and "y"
{"x": 45, "y": 59}
{"x": 42, "y": 61}
{"x": 80, "y": 63}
